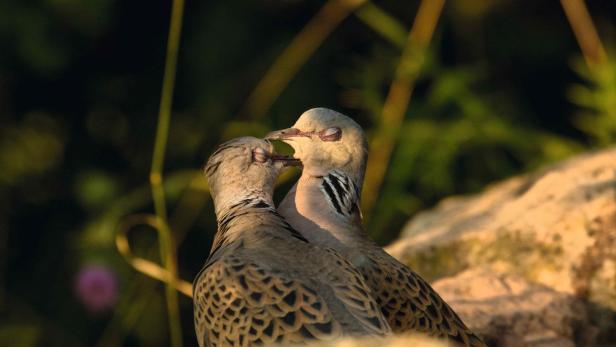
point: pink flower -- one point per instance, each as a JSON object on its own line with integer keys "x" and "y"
{"x": 96, "y": 287}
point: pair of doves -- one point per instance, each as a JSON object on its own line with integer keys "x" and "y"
{"x": 306, "y": 270}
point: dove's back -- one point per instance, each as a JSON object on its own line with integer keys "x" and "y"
{"x": 268, "y": 284}
{"x": 408, "y": 302}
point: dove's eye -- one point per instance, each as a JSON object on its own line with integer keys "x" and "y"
{"x": 331, "y": 134}
{"x": 259, "y": 155}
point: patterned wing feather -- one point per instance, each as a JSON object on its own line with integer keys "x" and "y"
{"x": 238, "y": 303}
{"x": 351, "y": 288}
{"x": 410, "y": 304}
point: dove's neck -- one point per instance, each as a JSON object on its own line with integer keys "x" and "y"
{"x": 246, "y": 216}
{"x": 231, "y": 201}
{"x": 325, "y": 210}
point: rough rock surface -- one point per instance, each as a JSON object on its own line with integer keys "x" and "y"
{"x": 556, "y": 228}
{"x": 390, "y": 341}
{"x": 509, "y": 311}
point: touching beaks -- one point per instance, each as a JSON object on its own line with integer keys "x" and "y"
{"x": 285, "y": 134}
{"x": 286, "y": 160}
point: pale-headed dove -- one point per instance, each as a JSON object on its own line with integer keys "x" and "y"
{"x": 324, "y": 207}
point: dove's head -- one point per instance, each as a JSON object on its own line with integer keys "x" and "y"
{"x": 242, "y": 168}
{"x": 325, "y": 140}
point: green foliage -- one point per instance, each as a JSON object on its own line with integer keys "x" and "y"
{"x": 19, "y": 335}
{"x": 30, "y": 148}
{"x": 94, "y": 189}
{"x": 597, "y": 99}
{"x": 456, "y": 139}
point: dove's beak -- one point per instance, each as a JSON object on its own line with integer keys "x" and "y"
{"x": 285, "y": 160}
{"x": 284, "y": 134}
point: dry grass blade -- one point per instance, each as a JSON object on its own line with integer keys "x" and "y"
{"x": 296, "y": 54}
{"x": 398, "y": 98}
{"x": 585, "y": 32}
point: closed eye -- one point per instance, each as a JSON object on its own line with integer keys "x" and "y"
{"x": 259, "y": 155}
{"x": 330, "y": 134}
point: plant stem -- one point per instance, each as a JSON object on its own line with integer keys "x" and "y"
{"x": 295, "y": 55}
{"x": 398, "y": 98}
{"x": 585, "y": 32}
{"x": 383, "y": 23}
{"x": 167, "y": 248}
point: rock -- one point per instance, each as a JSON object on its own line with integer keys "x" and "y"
{"x": 556, "y": 228}
{"x": 509, "y": 311}
{"x": 389, "y": 341}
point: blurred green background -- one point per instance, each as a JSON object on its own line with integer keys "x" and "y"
{"x": 502, "y": 89}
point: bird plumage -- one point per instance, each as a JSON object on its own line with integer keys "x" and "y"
{"x": 324, "y": 207}
{"x": 263, "y": 281}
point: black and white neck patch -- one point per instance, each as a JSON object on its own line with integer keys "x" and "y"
{"x": 341, "y": 192}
